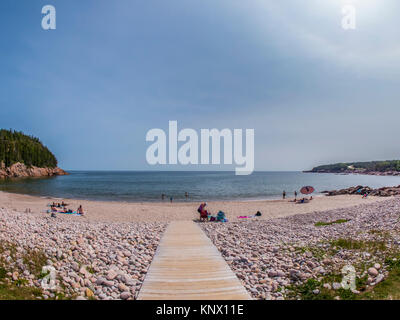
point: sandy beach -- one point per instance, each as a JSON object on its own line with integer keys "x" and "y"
{"x": 166, "y": 211}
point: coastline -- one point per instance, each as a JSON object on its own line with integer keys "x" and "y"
{"x": 19, "y": 170}
{"x": 103, "y": 257}
{"x": 113, "y": 211}
{"x": 358, "y": 172}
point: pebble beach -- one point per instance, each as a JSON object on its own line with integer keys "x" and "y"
{"x": 92, "y": 260}
{"x": 96, "y": 259}
{"x": 270, "y": 256}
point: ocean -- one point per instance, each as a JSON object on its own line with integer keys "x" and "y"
{"x": 137, "y": 186}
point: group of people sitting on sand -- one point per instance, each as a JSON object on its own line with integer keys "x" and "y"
{"x": 64, "y": 209}
{"x": 205, "y": 215}
{"x": 303, "y": 200}
{"x": 59, "y": 205}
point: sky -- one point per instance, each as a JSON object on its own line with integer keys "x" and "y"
{"x": 112, "y": 70}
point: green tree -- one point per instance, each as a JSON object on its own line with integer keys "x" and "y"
{"x": 18, "y": 147}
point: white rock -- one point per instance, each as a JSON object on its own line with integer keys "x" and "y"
{"x": 373, "y": 272}
{"x": 336, "y": 286}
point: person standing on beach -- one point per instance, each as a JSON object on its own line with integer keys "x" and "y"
{"x": 162, "y": 196}
{"x": 170, "y": 199}
{"x": 284, "y": 195}
{"x": 295, "y": 196}
{"x": 186, "y": 195}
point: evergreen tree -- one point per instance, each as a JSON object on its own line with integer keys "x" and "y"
{"x": 18, "y": 147}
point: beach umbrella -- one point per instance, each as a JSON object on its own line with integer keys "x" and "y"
{"x": 307, "y": 190}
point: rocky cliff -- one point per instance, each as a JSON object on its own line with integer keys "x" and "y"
{"x": 20, "y": 170}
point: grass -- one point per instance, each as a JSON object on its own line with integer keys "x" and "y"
{"x": 90, "y": 269}
{"x": 318, "y": 253}
{"x": 351, "y": 244}
{"x": 323, "y": 224}
{"x": 388, "y": 289}
{"x": 15, "y": 291}
{"x": 19, "y": 289}
{"x": 381, "y": 234}
{"x": 35, "y": 261}
{"x": 305, "y": 290}
{"x": 3, "y": 273}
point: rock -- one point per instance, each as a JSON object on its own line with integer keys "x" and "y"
{"x": 89, "y": 293}
{"x": 316, "y": 291}
{"x": 75, "y": 267}
{"x": 111, "y": 275}
{"x": 336, "y": 286}
{"x": 272, "y": 274}
{"x": 379, "y": 278}
{"x": 19, "y": 170}
{"x": 83, "y": 271}
{"x": 373, "y": 272}
{"x": 280, "y": 273}
{"x": 123, "y": 287}
{"x": 125, "y": 295}
{"x": 327, "y": 286}
{"x": 108, "y": 283}
{"x": 377, "y": 266}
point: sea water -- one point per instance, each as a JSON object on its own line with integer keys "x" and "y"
{"x": 136, "y": 186}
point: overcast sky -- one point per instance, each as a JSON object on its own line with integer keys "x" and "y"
{"x": 112, "y": 70}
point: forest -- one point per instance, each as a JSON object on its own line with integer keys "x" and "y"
{"x": 377, "y": 166}
{"x": 17, "y": 147}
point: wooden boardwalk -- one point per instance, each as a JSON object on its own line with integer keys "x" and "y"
{"x": 187, "y": 266}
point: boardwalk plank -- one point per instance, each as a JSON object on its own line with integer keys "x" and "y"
{"x": 187, "y": 266}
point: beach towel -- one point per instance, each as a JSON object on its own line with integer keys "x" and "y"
{"x": 74, "y": 212}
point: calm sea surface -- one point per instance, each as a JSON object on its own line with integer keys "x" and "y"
{"x": 148, "y": 186}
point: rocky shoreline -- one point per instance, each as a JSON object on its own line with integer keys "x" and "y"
{"x": 273, "y": 258}
{"x": 92, "y": 260}
{"x": 361, "y": 190}
{"x": 20, "y": 170}
{"x": 358, "y": 171}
